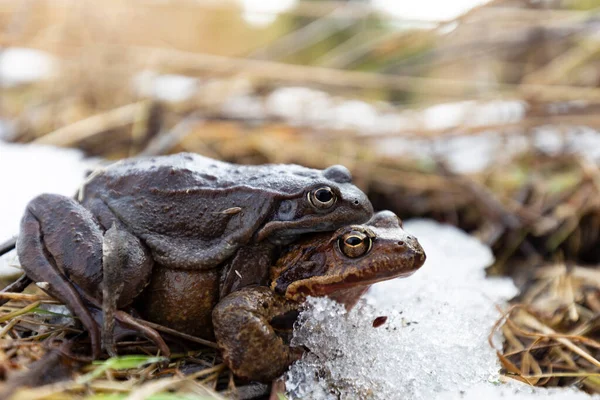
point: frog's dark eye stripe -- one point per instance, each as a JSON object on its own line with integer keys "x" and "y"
{"x": 322, "y": 198}
{"x": 355, "y": 244}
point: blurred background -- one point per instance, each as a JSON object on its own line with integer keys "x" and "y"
{"x": 479, "y": 114}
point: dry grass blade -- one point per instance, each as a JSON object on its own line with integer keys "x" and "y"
{"x": 72, "y": 134}
{"x": 19, "y": 312}
{"x": 25, "y": 297}
{"x": 550, "y": 345}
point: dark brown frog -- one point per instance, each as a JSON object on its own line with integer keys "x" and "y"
{"x": 169, "y": 218}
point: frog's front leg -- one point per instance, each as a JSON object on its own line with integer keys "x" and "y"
{"x": 60, "y": 248}
{"x": 244, "y": 328}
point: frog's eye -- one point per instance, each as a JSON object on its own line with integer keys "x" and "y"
{"x": 322, "y": 197}
{"x": 355, "y": 244}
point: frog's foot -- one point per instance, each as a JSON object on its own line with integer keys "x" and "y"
{"x": 149, "y": 333}
{"x": 125, "y": 325}
{"x": 243, "y": 323}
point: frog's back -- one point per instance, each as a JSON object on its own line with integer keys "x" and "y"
{"x": 191, "y": 210}
{"x": 185, "y": 171}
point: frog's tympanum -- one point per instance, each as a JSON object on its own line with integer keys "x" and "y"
{"x": 192, "y": 226}
{"x": 249, "y": 323}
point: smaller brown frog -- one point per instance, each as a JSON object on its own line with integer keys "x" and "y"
{"x": 248, "y": 323}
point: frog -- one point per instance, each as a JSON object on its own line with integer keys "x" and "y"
{"x": 182, "y": 213}
{"x": 252, "y": 324}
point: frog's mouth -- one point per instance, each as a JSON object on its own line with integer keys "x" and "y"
{"x": 288, "y": 230}
{"x": 327, "y": 285}
{"x": 285, "y": 231}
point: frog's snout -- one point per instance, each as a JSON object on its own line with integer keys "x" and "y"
{"x": 360, "y": 202}
{"x": 411, "y": 245}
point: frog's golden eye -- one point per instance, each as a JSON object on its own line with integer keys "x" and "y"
{"x": 322, "y": 198}
{"x": 355, "y": 244}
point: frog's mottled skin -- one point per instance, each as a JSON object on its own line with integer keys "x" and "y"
{"x": 172, "y": 216}
{"x": 247, "y": 322}
{"x": 194, "y": 212}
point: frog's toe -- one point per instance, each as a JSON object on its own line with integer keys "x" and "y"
{"x": 126, "y": 326}
{"x": 144, "y": 330}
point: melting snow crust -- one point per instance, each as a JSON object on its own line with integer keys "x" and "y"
{"x": 434, "y": 344}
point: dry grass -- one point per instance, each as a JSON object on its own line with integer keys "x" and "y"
{"x": 551, "y": 332}
{"x": 43, "y": 356}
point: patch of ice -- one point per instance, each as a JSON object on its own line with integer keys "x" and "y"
{"x": 418, "y": 149}
{"x": 299, "y": 105}
{"x": 21, "y": 65}
{"x": 472, "y": 113}
{"x": 434, "y": 343}
{"x": 264, "y": 12}
{"x": 166, "y": 87}
{"x": 549, "y": 140}
{"x": 354, "y": 114}
{"x": 29, "y": 170}
{"x": 7, "y": 129}
{"x": 246, "y": 107}
{"x": 466, "y": 154}
{"x": 446, "y": 115}
{"x": 428, "y": 10}
{"x": 584, "y": 140}
{"x": 497, "y": 112}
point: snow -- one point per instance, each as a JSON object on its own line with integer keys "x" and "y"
{"x": 29, "y": 170}
{"x": 20, "y": 66}
{"x": 7, "y": 129}
{"x": 165, "y": 87}
{"x": 429, "y": 10}
{"x": 299, "y": 106}
{"x": 434, "y": 344}
{"x": 473, "y": 113}
{"x": 315, "y": 109}
{"x": 261, "y": 13}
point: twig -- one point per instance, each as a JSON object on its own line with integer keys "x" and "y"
{"x": 7, "y": 246}
{"x": 182, "y": 335}
{"x": 16, "y": 287}
{"x": 80, "y": 130}
{"x": 24, "y": 297}
{"x": 24, "y": 310}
